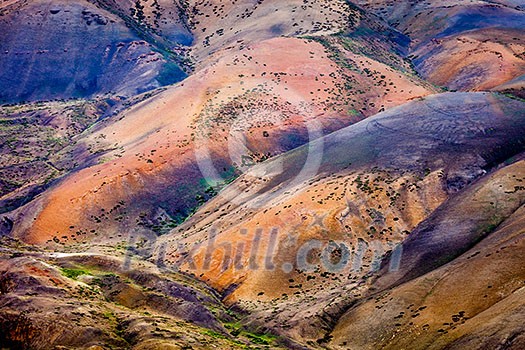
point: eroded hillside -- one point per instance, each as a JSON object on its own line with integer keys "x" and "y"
{"x": 261, "y": 174}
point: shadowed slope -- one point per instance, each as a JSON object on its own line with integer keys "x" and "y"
{"x": 376, "y": 181}
{"x": 64, "y": 49}
{"x": 31, "y": 138}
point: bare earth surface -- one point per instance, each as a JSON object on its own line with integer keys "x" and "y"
{"x": 262, "y": 174}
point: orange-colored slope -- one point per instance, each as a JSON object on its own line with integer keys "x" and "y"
{"x": 478, "y": 60}
{"x": 151, "y": 162}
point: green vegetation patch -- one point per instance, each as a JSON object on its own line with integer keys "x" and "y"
{"x": 74, "y": 273}
{"x": 237, "y": 330}
{"x": 263, "y": 339}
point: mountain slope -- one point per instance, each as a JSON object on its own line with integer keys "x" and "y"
{"x": 460, "y": 282}
{"x": 108, "y": 299}
{"x": 354, "y": 189}
{"x": 463, "y": 45}
{"x": 72, "y": 49}
{"x": 261, "y": 174}
{"x": 244, "y": 100}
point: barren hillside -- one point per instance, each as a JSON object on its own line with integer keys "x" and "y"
{"x": 262, "y": 174}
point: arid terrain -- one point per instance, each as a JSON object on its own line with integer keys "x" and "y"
{"x": 265, "y": 174}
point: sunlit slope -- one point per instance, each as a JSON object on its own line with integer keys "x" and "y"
{"x": 221, "y": 24}
{"x": 108, "y": 299}
{"x": 308, "y": 184}
{"x": 464, "y": 45}
{"x": 367, "y": 185}
{"x": 142, "y": 162}
{"x": 460, "y": 279}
